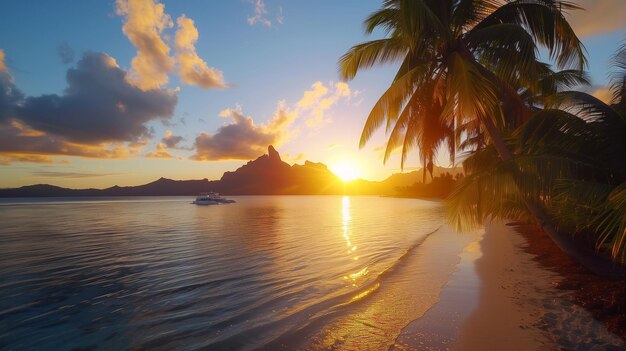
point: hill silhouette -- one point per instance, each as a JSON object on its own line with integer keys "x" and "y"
{"x": 267, "y": 175}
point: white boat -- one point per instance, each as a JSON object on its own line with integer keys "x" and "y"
{"x": 211, "y": 198}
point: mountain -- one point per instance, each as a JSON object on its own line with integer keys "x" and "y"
{"x": 390, "y": 185}
{"x": 160, "y": 187}
{"x": 267, "y": 175}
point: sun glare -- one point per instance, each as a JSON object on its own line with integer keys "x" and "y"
{"x": 346, "y": 170}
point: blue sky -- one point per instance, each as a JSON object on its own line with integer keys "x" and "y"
{"x": 266, "y": 67}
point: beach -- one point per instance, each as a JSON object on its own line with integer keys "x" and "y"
{"x": 484, "y": 290}
{"x": 520, "y": 305}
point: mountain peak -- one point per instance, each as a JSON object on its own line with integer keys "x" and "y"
{"x": 273, "y": 154}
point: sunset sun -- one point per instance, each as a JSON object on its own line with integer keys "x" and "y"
{"x": 346, "y": 170}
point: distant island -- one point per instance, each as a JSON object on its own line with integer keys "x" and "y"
{"x": 267, "y": 175}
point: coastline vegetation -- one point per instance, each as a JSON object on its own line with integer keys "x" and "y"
{"x": 439, "y": 187}
{"x": 535, "y": 148}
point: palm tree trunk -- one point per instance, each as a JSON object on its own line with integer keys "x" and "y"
{"x": 589, "y": 259}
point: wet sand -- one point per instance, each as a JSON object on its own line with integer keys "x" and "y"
{"x": 402, "y": 296}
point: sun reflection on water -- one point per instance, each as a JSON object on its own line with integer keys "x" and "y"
{"x": 346, "y": 229}
{"x": 345, "y": 221}
{"x": 359, "y": 274}
{"x": 365, "y": 293}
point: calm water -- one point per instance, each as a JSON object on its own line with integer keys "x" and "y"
{"x": 159, "y": 273}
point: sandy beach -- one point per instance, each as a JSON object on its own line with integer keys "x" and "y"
{"x": 502, "y": 298}
{"x": 520, "y": 307}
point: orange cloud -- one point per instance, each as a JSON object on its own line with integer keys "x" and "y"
{"x": 3, "y": 66}
{"x": 242, "y": 139}
{"x": 319, "y": 99}
{"x": 293, "y": 159}
{"x": 192, "y": 69}
{"x": 283, "y": 117}
{"x": 598, "y": 17}
{"x": 20, "y": 143}
{"x": 24, "y": 130}
{"x": 144, "y": 23}
{"x": 171, "y": 141}
{"x": 7, "y": 159}
{"x": 73, "y": 175}
{"x": 160, "y": 152}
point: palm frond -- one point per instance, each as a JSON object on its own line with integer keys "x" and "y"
{"x": 506, "y": 48}
{"x": 588, "y": 107}
{"x": 618, "y": 78}
{"x": 387, "y": 18}
{"x": 545, "y": 21}
{"x": 368, "y": 54}
{"x": 468, "y": 13}
{"x": 470, "y": 95}
{"x": 390, "y": 104}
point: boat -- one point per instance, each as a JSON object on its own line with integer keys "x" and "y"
{"x": 211, "y": 198}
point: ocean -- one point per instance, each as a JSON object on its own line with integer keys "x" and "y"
{"x": 268, "y": 272}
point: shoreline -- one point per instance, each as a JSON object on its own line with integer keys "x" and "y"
{"x": 499, "y": 296}
{"x": 503, "y": 318}
{"x": 520, "y": 304}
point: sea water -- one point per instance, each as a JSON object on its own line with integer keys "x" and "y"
{"x": 159, "y": 273}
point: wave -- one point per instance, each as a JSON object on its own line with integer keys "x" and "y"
{"x": 297, "y": 326}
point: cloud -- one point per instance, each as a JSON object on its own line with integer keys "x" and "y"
{"x": 260, "y": 14}
{"x": 171, "y": 141}
{"x": 292, "y": 159}
{"x": 598, "y": 17}
{"x": 192, "y": 69}
{"x": 72, "y": 174}
{"x": 66, "y": 53}
{"x": 100, "y": 115}
{"x": 20, "y": 143}
{"x": 280, "y": 18}
{"x": 317, "y": 101}
{"x": 99, "y": 105}
{"x": 8, "y": 159}
{"x": 10, "y": 95}
{"x": 144, "y": 22}
{"x": 242, "y": 139}
{"x": 160, "y": 152}
{"x": 3, "y": 66}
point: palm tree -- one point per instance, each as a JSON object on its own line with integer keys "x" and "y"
{"x": 462, "y": 54}
{"x": 470, "y": 56}
{"x": 570, "y": 155}
{"x": 592, "y": 136}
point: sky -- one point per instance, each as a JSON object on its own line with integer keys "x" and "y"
{"x": 124, "y": 92}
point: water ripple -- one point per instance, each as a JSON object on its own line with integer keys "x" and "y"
{"x": 159, "y": 273}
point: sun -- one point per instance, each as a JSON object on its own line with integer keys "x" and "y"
{"x": 346, "y": 170}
